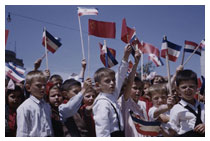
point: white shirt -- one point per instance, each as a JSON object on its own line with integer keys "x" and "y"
{"x": 138, "y": 109}
{"x": 34, "y": 118}
{"x": 181, "y": 120}
{"x": 104, "y": 114}
{"x": 71, "y": 107}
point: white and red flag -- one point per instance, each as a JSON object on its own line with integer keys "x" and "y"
{"x": 52, "y": 43}
{"x": 191, "y": 46}
{"x": 86, "y": 11}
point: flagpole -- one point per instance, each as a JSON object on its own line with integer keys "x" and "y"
{"x": 168, "y": 70}
{"x": 88, "y": 56}
{"x": 106, "y": 57}
{"x": 183, "y": 57}
{"x": 46, "y": 48}
{"x": 80, "y": 28}
{"x": 191, "y": 55}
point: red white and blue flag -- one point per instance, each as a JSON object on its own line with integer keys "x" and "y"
{"x": 202, "y": 43}
{"x": 86, "y": 11}
{"x": 107, "y": 56}
{"x": 146, "y": 128}
{"x": 52, "y": 43}
{"x": 173, "y": 50}
{"x": 19, "y": 69}
{"x": 154, "y": 54}
{"x": 12, "y": 73}
{"x": 191, "y": 46}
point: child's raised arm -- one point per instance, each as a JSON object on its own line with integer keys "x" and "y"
{"x": 131, "y": 76}
{"x": 82, "y": 72}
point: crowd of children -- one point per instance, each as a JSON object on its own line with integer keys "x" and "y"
{"x": 113, "y": 105}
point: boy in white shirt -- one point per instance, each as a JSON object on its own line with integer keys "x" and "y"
{"x": 106, "y": 112}
{"x": 187, "y": 118}
{"x": 34, "y": 114}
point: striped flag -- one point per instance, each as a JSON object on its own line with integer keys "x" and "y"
{"x": 13, "y": 74}
{"x": 107, "y": 56}
{"x": 86, "y": 11}
{"x": 19, "y": 69}
{"x": 147, "y": 128}
{"x": 191, "y": 46}
{"x": 173, "y": 50}
{"x": 202, "y": 43}
{"x": 52, "y": 43}
{"x": 156, "y": 60}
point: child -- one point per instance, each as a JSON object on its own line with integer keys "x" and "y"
{"x": 34, "y": 114}
{"x": 72, "y": 89}
{"x": 161, "y": 106}
{"x": 187, "y": 118}
{"x": 13, "y": 99}
{"x": 56, "y": 79}
{"x": 86, "y": 111}
{"x": 131, "y": 106}
{"x": 107, "y": 115}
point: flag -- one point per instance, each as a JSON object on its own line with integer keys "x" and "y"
{"x": 147, "y": 128}
{"x": 107, "y": 56}
{"x": 19, "y": 69}
{"x": 11, "y": 85}
{"x": 171, "y": 49}
{"x": 86, "y": 11}
{"x": 126, "y": 32}
{"x": 191, "y": 46}
{"x": 13, "y": 74}
{"x": 52, "y": 43}
{"x": 202, "y": 43}
{"x": 6, "y": 36}
{"x": 156, "y": 60}
{"x": 101, "y": 29}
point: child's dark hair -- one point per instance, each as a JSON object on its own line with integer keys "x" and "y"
{"x": 17, "y": 88}
{"x": 101, "y": 72}
{"x": 186, "y": 75}
{"x": 67, "y": 84}
{"x": 56, "y": 76}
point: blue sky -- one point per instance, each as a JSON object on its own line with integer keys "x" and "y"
{"x": 177, "y": 22}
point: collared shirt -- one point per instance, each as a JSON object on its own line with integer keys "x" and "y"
{"x": 71, "y": 107}
{"x": 182, "y": 120}
{"x": 104, "y": 115}
{"x": 34, "y": 118}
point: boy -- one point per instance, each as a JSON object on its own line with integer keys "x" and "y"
{"x": 106, "y": 112}
{"x": 34, "y": 114}
{"x": 187, "y": 118}
{"x": 162, "y": 103}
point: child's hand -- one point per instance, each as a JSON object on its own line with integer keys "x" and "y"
{"x": 87, "y": 84}
{"x": 171, "y": 101}
{"x": 179, "y": 68}
{"x": 84, "y": 64}
{"x": 137, "y": 56}
{"x": 37, "y": 63}
{"x": 127, "y": 52}
{"x": 200, "y": 128}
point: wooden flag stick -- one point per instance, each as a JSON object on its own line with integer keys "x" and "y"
{"x": 106, "y": 57}
{"x": 88, "y": 56}
{"x": 80, "y": 28}
{"x": 191, "y": 55}
{"x": 183, "y": 57}
{"x": 168, "y": 71}
{"x": 46, "y": 48}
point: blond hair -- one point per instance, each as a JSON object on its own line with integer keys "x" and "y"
{"x": 102, "y": 72}
{"x": 157, "y": 88}
{"x": 34, "y": 75}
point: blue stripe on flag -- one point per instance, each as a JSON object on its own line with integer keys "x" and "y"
{"x": 10, "y": 67}
{"x": 192, "y": 50}
{"x": 174, "y": 46}
{"x": 53, "y": 39}
{"x": 109, "y": 54}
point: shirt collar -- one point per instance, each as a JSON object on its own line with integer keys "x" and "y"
{"x": 35, "y": 99}
{"x": 185, "y": 103}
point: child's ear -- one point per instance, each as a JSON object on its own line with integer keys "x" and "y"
{"x": 27, "y": 86}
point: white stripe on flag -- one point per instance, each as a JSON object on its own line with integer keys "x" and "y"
{"x": 173, "y": 52}
{"x": 87, "y": 11}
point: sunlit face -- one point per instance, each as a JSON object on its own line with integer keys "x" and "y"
{"x": 37, "y": 87}
{"x": 89, "y": 98}
{"x": 14, "y": 99}
{"x": 73, "y": 91}
{"x": 55, "y": 97}
{"x": 187, "y": 90}
{"x": 136, "y": 91}
{"x": 159, "y": 99}
{"x": 107, "y": 84}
